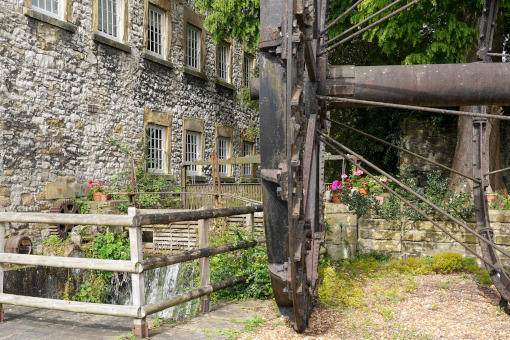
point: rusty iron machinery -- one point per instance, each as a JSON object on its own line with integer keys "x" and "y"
{"x": 297, "y": 87}
{"x": 64, "y": 206}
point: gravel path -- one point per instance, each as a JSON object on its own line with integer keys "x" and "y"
{"x": 421, "y": 307}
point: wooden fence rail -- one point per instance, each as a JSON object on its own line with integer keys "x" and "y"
{"x": 136, "y": 266}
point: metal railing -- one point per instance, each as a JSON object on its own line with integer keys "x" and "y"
{"x": 137, "y": 265}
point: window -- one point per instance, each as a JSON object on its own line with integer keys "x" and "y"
{"x": 193, "y": 45}
{"x": 247, "y": 69}
{"x": 156, "y": 31}
{"x": 223, "y": 62}
{"x": 223, "y": 153}
{"x": 157, "y": 149}
{"x": 108, "y": 17}
{"x": 50, "y": 7}
{"x": 247, "y": 151}
{"x": 193, "y": 144}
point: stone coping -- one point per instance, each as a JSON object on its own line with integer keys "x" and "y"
{"x": 110, "y": 42}
{"x": 157, "y": 60}
{"x": 67, "y": 26}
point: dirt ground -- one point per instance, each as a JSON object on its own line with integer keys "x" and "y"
{"x": 420, "y": 307}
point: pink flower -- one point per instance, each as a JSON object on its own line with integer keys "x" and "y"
{"x": 90, "y": 187}
{"x": 340, "y": 187}
{"x": 344, "y": 176}
{"x": 384, "y": 180}
{"x": 100, "y": 181}
{"x": 364, "y": 184}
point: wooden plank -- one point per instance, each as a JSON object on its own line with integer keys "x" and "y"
{"x": 71, "y": 262}
{"x": 71, "y": 306}
{"x": 205, "y": 271}
{"x": 78, "y": 219}
{"x": 255, "y": 159}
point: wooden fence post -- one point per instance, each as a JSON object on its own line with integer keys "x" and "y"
{"x": 2, "y": 245}
{"x": 250, "y": 223}
{"x": 140, "y": 327}
{"x": 205, "y": 272}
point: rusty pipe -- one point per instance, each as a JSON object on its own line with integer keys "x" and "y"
{"x": 421, "y": 85}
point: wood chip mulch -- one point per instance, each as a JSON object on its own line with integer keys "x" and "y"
{"x": 437, "y": 307}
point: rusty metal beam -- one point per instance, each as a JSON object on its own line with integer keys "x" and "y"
{"x": 431, "y": 85}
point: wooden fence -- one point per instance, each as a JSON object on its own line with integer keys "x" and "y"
{"x": 233, "y": 195}
{"x": 136, "y": 265}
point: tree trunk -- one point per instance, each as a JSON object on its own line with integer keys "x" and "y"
{"x": 463, "y": 158}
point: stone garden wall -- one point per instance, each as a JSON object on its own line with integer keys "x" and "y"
{"x": 402, "y": 239}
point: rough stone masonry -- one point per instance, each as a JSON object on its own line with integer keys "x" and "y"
{"x": 64, "y": 95}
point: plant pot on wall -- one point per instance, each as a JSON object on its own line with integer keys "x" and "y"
{"x": 336, "y": 198}
{"x": 100, "y": 197}
{"x": 363, "y": 191}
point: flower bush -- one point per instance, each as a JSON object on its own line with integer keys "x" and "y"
{"x": 95, "y": 187}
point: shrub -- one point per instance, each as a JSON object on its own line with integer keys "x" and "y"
{"x": 336, "y": 290}
{"x": 446, "y": 263}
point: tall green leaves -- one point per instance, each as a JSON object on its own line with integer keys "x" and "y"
{"x": 227, "y": 19}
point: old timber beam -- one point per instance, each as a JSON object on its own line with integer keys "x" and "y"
{"x": 421, "y": 85}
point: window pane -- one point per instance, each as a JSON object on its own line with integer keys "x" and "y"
{"x": 193, "y": 47}
{"x": 223, "y": 153}
{"x": 192, "y": 152}
{"x": 49, "y": 6}
{"x": 108, "y": 16}
{"x": 155, "y": 29}
{"x": 156, "y": 154}
{"x": 247, "y": 151}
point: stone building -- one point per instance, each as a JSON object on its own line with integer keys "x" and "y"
{"x": 83, "y": 80}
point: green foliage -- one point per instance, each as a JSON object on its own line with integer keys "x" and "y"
{"x": 336, "y": 290}
{"x": 251, "y": 262}
{"x": 83, "y": 206}
{"x": 446, "y": 263}
{"x": 231, "y": 19}
{"x": 123, "y": 207}
{"x": 104, "y": 246}
{"x": 55, "y": 245}
{"x": 244, "y": 96}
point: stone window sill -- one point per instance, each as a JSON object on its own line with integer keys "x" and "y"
{"x": 195, "y": 73}
{"x": 110, "y": 42}
{"x": 195, "y": 179}
{"x": 249, "y": 180}
{"x": 224, "y": 84}
{"x": 67, "y": 26}
{"x": 157, "y": 60}
{"x": 227, "y": 179}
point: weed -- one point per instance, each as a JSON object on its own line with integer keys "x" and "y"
{"x": 386, "y": 312}
{"x": 446, "y": 285}
{"x": 251, "y": 324}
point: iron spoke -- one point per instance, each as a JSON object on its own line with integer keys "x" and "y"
{"x": 417, "y": 195}
{"x": 412, "y": 107}
{"x": 362, "y": 22}
{"x": 497, "y": 171}
{"x": 411, "y": 205}
{"x": 369, "y": 26}
{"x": 403, "y": 150}
{"x": 341, "y": 16}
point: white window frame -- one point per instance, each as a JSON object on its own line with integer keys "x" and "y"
{"x": 59, "y": 12}
{"x": 153, "y": 13}
{"x": 247, "y": 168}
{"x": 223, "y": 149}
{"x": 248, "y": 61}
{"x": 223, "y": 62}
{"x": 117, "y": 21}
{"x": 193, "y": 137}
{"x": 157, "y": 142}
{"x": 193, "y": 47}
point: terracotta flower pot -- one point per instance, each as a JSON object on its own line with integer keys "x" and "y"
{"x": 336, "y": 198}
{"x": 100, "y": 197}
{"x": 380, "y": 199}
{"x": 363, "y": 191}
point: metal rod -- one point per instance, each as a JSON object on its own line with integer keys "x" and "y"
{"x": 414, "y": 193}
{"x": 403, "y": 150}
{"x": 341, "y": 16}
{"x": 411, "y": 205}
{"x": 497, "y": 171}
{"x": 369, "y": 26}
{"x": 362, "y": 22}
{"x": 412, "y": 107}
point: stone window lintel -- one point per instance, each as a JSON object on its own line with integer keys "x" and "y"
{"x": 195, "y": 73}
{"x": 67, "y": 26}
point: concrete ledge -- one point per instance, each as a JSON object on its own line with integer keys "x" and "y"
{"x": 157, "y": 60}
{"x": 67, "y": 26}
{"x": 194, "y": 73}
{"x": 112, "y": 43}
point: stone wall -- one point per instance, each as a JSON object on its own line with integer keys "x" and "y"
{"x": 64, "y": 96}
{"x": 403, "y": 239}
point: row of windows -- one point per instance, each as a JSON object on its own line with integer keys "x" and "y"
{"x": 110, "y": 24}
{"x": 157, "y": 153}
